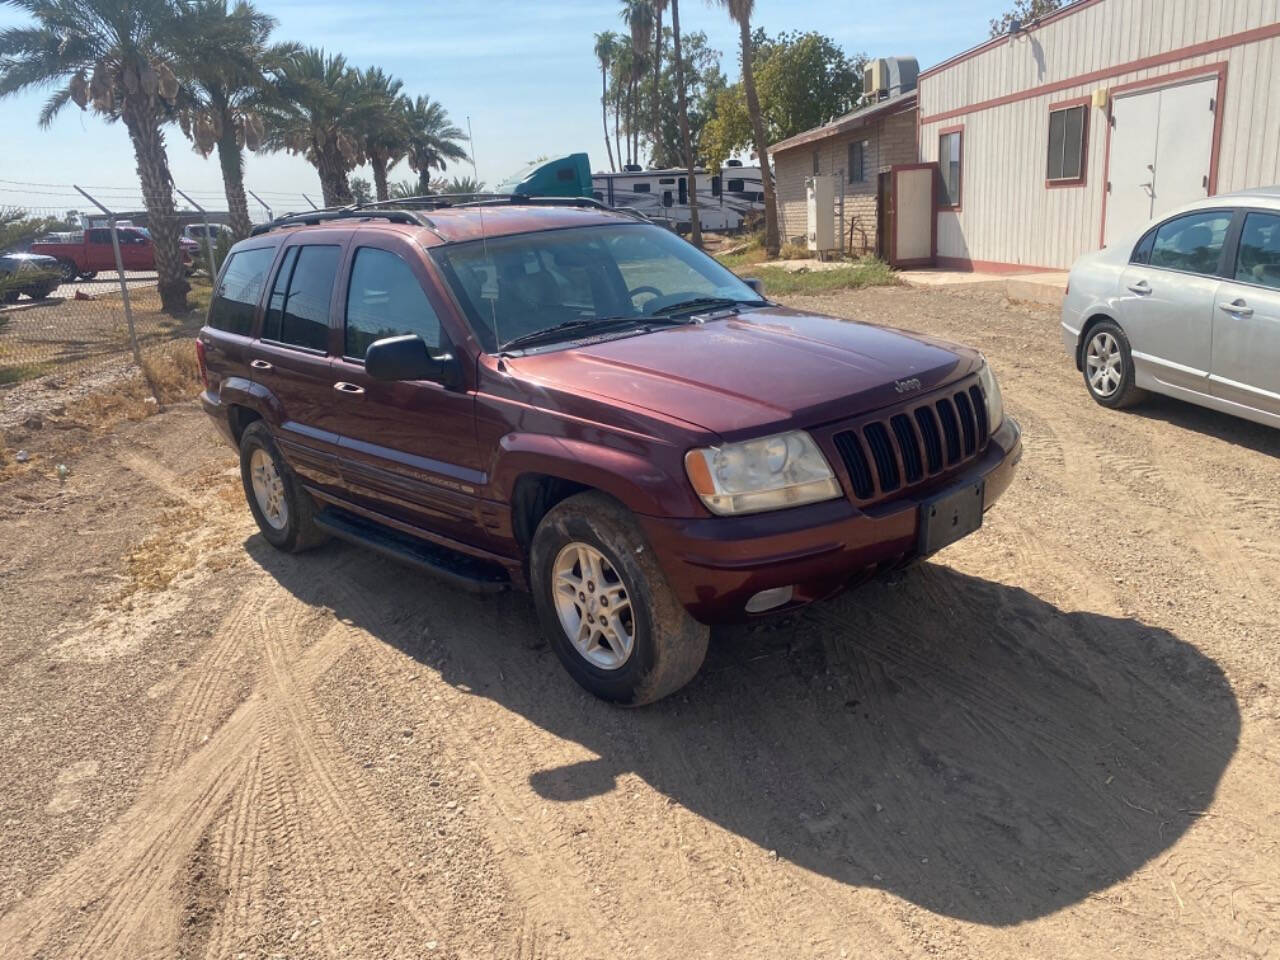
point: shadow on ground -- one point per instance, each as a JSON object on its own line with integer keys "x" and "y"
{"x": 960, "y": 743}
{"x": 1210, "y": 423}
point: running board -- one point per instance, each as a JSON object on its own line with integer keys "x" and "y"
{"x": 464, "y": 572}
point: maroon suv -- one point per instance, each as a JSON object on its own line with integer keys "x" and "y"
{"x": 577, "y": 402}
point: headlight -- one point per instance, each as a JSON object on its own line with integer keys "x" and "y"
{"x": 991, "y": 390}
{"x": 771, "y": 473}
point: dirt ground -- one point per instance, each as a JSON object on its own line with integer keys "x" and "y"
{"x": 1060, "y": 738}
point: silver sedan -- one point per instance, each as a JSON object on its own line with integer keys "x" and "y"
{"x": 1188, "y": 307}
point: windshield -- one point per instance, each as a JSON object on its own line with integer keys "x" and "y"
{"x": 514, "y": 286}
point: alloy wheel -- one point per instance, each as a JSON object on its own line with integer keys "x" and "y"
{"x": 594, "y": 606}
{"x": 1104, "y": 364}
{"x": 268, "y": 489}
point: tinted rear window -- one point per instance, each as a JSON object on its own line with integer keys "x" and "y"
{"x": 303, "y": 317}
{"x": 236, "y": 301}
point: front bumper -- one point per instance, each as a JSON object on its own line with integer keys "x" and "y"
{"x": 716, "y": 564}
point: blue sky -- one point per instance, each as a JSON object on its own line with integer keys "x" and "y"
{"x": 523, "y": 71}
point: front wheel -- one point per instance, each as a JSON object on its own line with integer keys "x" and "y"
{"x": 284, "y": 510}
{"x": 68, "y": 270}
{"x": 606, "y": 606}
{"x": 89, "y": 275}
{"x": 1108, "y": 367}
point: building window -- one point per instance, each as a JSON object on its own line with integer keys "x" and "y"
{"x": 858, "y": 160}
{"x": 950, "y": 161}
{"x": 1067, "y": 129}
{"x": 816, "y": 165}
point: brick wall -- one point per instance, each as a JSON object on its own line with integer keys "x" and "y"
{"x": 889, "y": 142}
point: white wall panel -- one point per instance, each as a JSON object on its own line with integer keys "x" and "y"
{"x": 1008, "y": 215}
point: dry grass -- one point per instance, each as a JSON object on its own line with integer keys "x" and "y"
{"x": 171, "y": 370}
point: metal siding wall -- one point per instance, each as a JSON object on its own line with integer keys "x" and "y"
{"x": 1008, "y": 215}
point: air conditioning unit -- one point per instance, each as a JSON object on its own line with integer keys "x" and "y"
{"x": 889, "y": 76}
{"x": 821, "y": 200}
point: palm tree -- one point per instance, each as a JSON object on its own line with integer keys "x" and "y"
{"x": 320, "y": 104}
{"x": 740, "y": 11}
{"x": 623, "y": 57}
{"x": 227, "y": 70}
{"x": 638, "y": 16}
{"x": 114, "y": 56}
{"x": 432, "y": 140}
{"x": 384, "y": 125}
{"x": 403, "y": 189}
{"x": 461, "y": 185}
{"x": 606, "y": 49}
{"x": 682, "y": 105}
{"x": 659, "y": 6}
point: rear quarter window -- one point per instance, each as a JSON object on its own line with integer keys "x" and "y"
{"x": 236, "y": 300}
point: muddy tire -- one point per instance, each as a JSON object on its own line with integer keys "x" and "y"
{"x": 606, "y": 607}
{"x": 1107, "y": 363}
{"x": 284, "y": 511}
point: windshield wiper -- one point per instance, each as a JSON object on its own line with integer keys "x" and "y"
{"x": 701, "y": 303}
{"x": 564, "y": 331}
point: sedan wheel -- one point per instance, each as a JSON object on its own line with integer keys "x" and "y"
{"x": 1104, "y": 364}
{"x": 594, "y": 606}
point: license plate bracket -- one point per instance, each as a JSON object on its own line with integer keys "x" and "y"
{"x": 951, "y": 516}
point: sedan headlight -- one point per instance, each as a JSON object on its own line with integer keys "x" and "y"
{"x": 784, "y": 470}
{"x": 991, "y": 390}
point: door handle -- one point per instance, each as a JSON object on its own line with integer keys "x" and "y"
{"x": 1141, "y": 287}
{"x": 349, "y": 388}
{"x": 260, "y": 365}
{"x": 1238, "y": 307}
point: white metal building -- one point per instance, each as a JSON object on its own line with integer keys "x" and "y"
{"x": 1094, "y": 119}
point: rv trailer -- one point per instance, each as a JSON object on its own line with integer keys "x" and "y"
{"x": 724, "y": 198}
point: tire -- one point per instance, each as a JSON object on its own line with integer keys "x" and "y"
{"x": 89, "y": 275}
{"x": 10, "y": 296}
{"x": 292, "y": 529}
{"x": 1106, "y": 361}
{"x": 667, "y": 646}
{"x": 68, "y": 270}
{"x": 42, "y": 292}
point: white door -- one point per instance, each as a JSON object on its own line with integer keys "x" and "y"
{"x": 1161, "y": 148}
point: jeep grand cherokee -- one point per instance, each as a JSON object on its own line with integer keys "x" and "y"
{"x": 572, "y": 401}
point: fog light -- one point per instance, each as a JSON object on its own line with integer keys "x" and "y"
{"x": 768, "y": 599}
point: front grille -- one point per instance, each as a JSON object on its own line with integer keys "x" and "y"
{"x": 907, "y": 447}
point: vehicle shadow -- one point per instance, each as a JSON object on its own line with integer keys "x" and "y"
{"x": 1210, "y": 423}
{"x": 959, "y": 742}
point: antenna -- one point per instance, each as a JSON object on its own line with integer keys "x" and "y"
{"x": 484, "y": 241}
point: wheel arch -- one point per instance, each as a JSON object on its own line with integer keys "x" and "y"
{"x": 1095, "y": 318}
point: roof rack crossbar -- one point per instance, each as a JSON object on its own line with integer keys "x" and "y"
{"x": 314, "y": 217}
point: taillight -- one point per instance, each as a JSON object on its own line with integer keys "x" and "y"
{"x": 204, "y": 369}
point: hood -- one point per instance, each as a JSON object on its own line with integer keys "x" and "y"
{"x": 770, "y": 368}
{"x": 19, "y": 262}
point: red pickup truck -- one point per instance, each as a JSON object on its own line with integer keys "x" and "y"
{"x": 82, "y": 255}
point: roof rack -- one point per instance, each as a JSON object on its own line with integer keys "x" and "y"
{"x": 437, "y": 201}
{"x": 314, "y": 217}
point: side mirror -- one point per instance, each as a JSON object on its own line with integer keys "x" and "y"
{"x": 755, "y": 283}
{"x": 408, "y": 358}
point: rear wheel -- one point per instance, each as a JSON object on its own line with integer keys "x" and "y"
{"x": 42, "y": 291}
{"x": 284, "y": 511}
{"x": 1107, "y": 363}
{"x": 88, "y": 274}
{"x": 68, "y": 270}
{"x": 606, "y": 607}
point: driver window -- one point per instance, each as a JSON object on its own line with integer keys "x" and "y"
{"x": 385, "y": 299}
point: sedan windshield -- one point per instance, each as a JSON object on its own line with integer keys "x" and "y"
{"x": 514, "y": 287}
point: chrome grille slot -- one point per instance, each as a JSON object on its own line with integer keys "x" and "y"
{"x": 908, "y": 446}
{"x": 967, "y": 424}
{"x": 882, "y": 452}
{"x": 855, "y": 462}
{"x": 980, "y": 410}
{"x": 950, "y": 429}
{"x": 928, "y": 424}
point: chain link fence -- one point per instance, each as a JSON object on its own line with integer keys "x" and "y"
{"x": 65, "y": 308}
